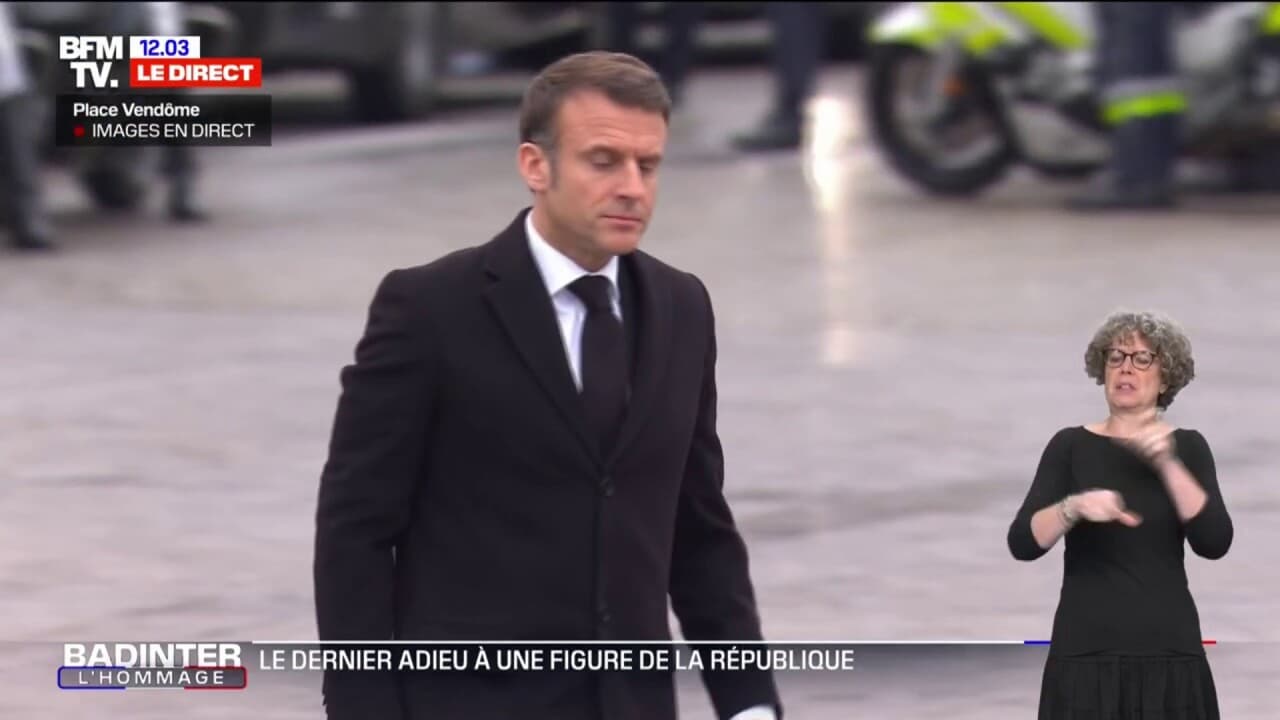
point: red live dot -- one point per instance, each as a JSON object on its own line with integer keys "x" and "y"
{"x": 79, "y": 131}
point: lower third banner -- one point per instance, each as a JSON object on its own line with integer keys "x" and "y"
{"x": 159, "y": 119}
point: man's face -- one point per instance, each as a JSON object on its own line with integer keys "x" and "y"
{"x": 597, "y": 187}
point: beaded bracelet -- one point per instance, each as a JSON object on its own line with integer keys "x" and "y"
{"x": 1068, "y": 519}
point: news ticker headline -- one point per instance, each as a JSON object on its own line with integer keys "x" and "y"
{"x": 147, "y": 119}
{"x": 227, "y": 665}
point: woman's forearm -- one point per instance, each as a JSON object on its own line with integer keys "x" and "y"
{"x": 1188, "y": 496}
{"x": 1051, "y": 523}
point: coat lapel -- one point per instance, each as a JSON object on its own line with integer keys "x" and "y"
{"x": 519, "y": 298}
{"x": 653, "y": 340}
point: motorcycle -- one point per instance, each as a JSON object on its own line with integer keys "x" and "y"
{"x": 960, "y": 93}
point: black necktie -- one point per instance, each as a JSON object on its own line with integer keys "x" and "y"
{"x": 604, "y": 360}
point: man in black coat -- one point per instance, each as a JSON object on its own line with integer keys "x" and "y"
{"x": 525, "y": 446}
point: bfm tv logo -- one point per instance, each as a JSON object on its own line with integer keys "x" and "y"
{"x": 153, "y": 62}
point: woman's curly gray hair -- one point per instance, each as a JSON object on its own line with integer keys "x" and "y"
{"x": 1166, "y": 338}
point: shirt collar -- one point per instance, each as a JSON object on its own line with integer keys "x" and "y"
{"x": 557, "y": 269}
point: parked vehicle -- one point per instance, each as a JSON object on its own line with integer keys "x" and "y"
{"x": 958, "y": 93}
{"x": 395, "y": 54}
{"x": 739, "y": 31}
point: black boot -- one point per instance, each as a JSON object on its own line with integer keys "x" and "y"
{"x": 1140, "y": 174}
{"x": 20, "y": 173}
{"x": 181, "y": 204}
{"x": 1111, "y": 194}
{"x": 780, "y": 130}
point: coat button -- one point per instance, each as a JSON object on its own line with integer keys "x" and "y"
{"x": 606, "y": 486}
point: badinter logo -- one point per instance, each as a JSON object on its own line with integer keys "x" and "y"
{"x": 91, "y": 58}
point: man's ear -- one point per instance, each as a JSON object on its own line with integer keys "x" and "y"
{"x": 535, "y": 167}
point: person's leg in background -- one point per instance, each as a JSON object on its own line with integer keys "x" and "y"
{"x": 1143, "y": 103}
{"x": 180, "y": 168}
{"x": 179, "y": 164}
{"x": 680, "y": 25}
{"x": 797, "y": 57}
{"x": 20, "y": 178}
{"x": 621, "y": 21}
{"x": 20, "y": 190}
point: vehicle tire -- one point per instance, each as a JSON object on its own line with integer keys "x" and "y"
{"x": 405, "y": 85}
{"x": 917, "y": 164}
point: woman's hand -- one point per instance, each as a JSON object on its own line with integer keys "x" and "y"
{"x": 1101, "y": 506}
{"x": 1154, "y": 445}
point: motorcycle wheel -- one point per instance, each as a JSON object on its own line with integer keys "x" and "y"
{"x": 963, "y": 151}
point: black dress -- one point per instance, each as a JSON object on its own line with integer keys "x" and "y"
{"x": 1126, "y": 641}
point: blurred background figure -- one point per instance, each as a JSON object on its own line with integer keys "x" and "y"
{"x": 680, "y": 21}
{"x": 797, "y": 55}
{"x": 178, "y": 162}
{"x": 23, "y": 205}
{"x": 1143, "y": 103}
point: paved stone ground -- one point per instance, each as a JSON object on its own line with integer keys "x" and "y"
{"x": 890, "y": 369}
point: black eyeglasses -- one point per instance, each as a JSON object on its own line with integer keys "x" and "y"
{"x": 1142, "y": 359}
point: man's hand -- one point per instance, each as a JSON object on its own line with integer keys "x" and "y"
{"x": 1102, "y": 506}
{"x": 1153, "y": 444}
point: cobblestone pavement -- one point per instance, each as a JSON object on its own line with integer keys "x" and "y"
{"x": 890, "y": 369}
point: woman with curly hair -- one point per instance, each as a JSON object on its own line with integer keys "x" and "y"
{"x": 1127, "y": 493}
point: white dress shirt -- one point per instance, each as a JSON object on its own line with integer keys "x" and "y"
{"x": 558, "y": 271}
